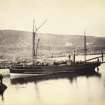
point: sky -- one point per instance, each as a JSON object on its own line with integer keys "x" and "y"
{"x": 63, "y": 16}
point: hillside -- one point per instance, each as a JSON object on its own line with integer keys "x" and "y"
{"x": 19, "y": 43}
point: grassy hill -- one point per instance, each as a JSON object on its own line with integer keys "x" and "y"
{"x": 19, "y": 43}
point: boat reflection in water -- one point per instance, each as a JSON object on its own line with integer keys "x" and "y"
{"x": 2, "y": 95}
{"x": 24, "y": 80}
{"x": 2, "y": 90}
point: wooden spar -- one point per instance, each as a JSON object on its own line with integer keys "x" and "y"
{"x": 85, "y": 48}
{"x": 37, "y": 48}
{"x": 102, "y": 55}
{"x": 74, "y": 57}
{"x": 33, "y": 43}
{"x": 94, "y": 58}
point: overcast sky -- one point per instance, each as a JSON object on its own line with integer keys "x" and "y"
{"x": 63, "y": 16}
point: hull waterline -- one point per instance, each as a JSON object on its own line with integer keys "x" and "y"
{"x": 49, "y": 70}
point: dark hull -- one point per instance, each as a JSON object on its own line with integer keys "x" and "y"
{"x": 77, "y": 68}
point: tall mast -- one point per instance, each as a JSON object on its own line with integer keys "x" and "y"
{"x": 85, "y": 47}
{"x": 37, "y": 45}
{"x": 33, "y": 43}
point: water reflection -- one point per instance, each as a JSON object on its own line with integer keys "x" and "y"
{"x": 2, "y": 89}
{"x": 63, "y": 89}
{"x": 55, "y": 76}
{"x": 2, "y": 96}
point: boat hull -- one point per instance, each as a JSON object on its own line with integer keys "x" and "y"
{"x": 77, "y": 68}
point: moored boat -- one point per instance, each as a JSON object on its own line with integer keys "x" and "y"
{"x": 47, "y": 69}
{"x": 41, "y": 70}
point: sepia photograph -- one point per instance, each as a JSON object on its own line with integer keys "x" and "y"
{"x": 52, "y": 52}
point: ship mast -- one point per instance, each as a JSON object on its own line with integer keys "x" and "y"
{"x": 37, "y": 45}
{"x": 85, "y": 47}
{"x": 33, "y": 43}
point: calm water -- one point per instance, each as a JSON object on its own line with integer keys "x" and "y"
{"x": 80, "y": 90}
